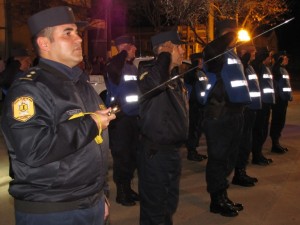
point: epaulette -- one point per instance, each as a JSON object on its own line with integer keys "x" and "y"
{"x": 31, "y": 74}
{"x": 143, "y": 68}
{"x": 142, "y": 76}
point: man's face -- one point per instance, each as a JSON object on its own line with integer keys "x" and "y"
{"x": 200, "y": 63}
{"x": 25, "y": 63}
{"x": 177, "y": 55}
{"x": 269, "y": 61}
{"x": 66, "y": 45}
{"x": 252, "y": 53}
{"x": 176, "y": 52}
{"x": 130, "y": 49}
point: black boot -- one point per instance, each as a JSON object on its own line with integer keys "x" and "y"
{"x": 124, "y": 195}
{"x": 254, "y": 179}
{"x": 237, "y": 206}
{"x": 241, "y": 178}
{"x": 219, "y": 204}
{"x": 193, "y": 155}
{"x": 277, "y": 148}
{"x": 261, "y": 160}
{"x": 135, "y": 196}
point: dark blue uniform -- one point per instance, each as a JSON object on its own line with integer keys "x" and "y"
{"x": 65, "y": 167}
{"x": 227, "y": 95}
{"x": 164, "y": 128}
{"x": 122, "y": 88}
{"x": 196, "y": 83}
{"x": 283, "y": 94}
{"x": 240, "y": 176}
{"x": 261, "y": 125}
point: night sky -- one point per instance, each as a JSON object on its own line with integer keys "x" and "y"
{"x": 289, "y": 39}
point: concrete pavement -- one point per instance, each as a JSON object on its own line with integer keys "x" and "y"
{"x": 273, "y": 201}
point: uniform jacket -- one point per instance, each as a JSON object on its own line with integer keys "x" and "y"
{"x": 253, "y": 82}
{"x": 196, "y": 83}
{"x": 54, "y": 158}
{"x": 254, "y": 88}
{"x": 163, "y": 112}
{"x": 122, "y": 84}
{"x": 266, "y": 85}
{"x": 282, "y": 83}
{"x": 226, "y": 78}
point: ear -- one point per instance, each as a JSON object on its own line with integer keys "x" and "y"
{"x": 43, "y": 43}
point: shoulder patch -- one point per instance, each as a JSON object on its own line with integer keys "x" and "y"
{"x": 23, "y": 108}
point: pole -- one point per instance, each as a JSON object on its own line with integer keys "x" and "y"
{"x": 180, "y": 75}
{"x": 116, "y": 108}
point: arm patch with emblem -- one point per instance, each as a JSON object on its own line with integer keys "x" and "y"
{"x": 23, "y": 108}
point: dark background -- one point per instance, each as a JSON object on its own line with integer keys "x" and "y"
{"x": 289, "y": 40}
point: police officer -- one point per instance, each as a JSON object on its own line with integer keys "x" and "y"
{"x": 247, "y": 54}
{"x": 196, "y": 82}
{"x": 55, "y": 131}
{"x": 164, "y": 128}
{"x": 283, "y": 94}
{"x": 226, "y": 96}
{"x": 260, "y": 130}
{"x": 122, "y": 89}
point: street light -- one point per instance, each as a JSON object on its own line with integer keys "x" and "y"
{"x": 243, "y": 35}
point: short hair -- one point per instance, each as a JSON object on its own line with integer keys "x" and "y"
{"x": 47, "y": 32}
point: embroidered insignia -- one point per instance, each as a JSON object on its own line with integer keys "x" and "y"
{"x": 23, "y": 108}
{"x": 73, "y": 111}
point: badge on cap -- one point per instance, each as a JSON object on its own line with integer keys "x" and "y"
{"x": 23, "y": 108}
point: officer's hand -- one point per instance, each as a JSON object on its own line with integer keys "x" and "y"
{"x": 103, "y": 117}
{"x": 127, "y": 47}
{"x": 106, "y": 210}
{"x": 280, "y": 60}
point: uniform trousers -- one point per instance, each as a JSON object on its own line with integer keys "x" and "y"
{"x": 223, "y": 135}
{"x": 89, "y": 216}
{"x": 159, "y": 170}
{"x": 278, "y": 119}
{"x": 260, "y": 130}
{"x": 246, "y": 139}
{"x": 195, "y": 125}
{"x": 123, "y": 135}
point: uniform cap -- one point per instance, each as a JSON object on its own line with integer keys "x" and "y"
{"x": 52, "y": 17}
{"x": 163, "y": 37}
{"x": 124, "y": 39}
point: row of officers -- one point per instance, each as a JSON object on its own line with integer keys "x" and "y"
{"x": 230, "y": 93}
{"x": 58, "y": 131}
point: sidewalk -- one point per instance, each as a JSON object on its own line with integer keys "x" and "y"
{"x": 273, "y": 201}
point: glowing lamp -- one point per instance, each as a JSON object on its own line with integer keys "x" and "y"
{"x": 243, "y": 35}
